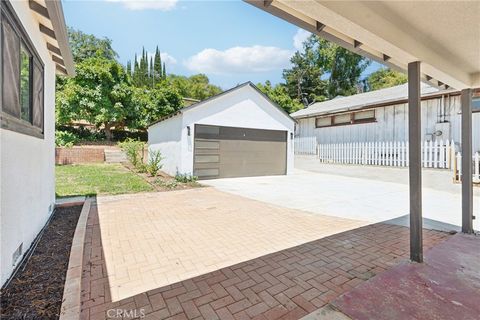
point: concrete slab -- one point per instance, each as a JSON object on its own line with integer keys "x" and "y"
{"x": 446, "y": 286}
{"x": 347, "y": 197}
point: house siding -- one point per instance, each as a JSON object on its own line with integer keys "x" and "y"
{"x": 392, "y": 124}
{"x": 243, "y": 107}
{"x": 27, "y": 165}
{"x": 166, "y": 137}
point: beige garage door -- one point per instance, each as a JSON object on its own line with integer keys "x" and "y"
{"x": 226, "y": 152}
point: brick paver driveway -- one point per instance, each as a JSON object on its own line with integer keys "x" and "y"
{"x": 211, "y": 255}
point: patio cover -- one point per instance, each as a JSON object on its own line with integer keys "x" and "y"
{"x": 443, "y": 35}
{"x": 434, "y": 41}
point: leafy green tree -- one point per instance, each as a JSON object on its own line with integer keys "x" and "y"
{"x": 280, "y": 96}
{"x": 385, "y": 78}
{"x": 100, "y": 93}
{"x": 86, "y": 46}
{"x": 323, "y": 70}
{"x": 151, "y": 104}
{"x": 196, "y": 87}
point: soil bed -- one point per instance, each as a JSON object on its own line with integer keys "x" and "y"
{"x": 162, "y": 181}
{"x": 36, "y": 290}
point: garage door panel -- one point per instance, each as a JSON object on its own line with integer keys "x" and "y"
{"x": 241, "y": 152}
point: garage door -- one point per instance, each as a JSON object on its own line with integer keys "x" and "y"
{"x": 225, "y": 152}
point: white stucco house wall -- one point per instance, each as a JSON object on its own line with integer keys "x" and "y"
{"x": 239, "y": 132}
{"x": 34, "y": 39}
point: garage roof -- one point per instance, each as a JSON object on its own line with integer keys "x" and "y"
{"x": 248, "y": 83}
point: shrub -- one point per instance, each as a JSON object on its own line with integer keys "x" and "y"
{"x": 154, "y": 165}
{"x": 134, "y": 150}
{"x": 65, "y": 139}
{"x": 185, "y": 177}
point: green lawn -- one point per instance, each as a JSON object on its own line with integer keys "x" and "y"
{"x": 91, "y": 179}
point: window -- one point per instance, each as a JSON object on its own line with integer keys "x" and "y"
{"x": 346, "y": 119}
{"x": 323, "y": 122}
{"x": 22, "y": 74}
{"x": 342, "y": 119}
{"x": 364, "y": 116}
{"x": 25, "y": 85}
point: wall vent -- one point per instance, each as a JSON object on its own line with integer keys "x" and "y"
{"x": 17, "y": 254}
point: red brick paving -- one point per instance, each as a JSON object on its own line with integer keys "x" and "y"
{"x": 284, "y": 285}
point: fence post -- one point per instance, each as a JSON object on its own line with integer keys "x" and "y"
{"x": 459, "y": 166}
{"x": 476, "y": 170}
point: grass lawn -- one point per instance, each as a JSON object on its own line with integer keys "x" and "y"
{"x": 91, "y": 179}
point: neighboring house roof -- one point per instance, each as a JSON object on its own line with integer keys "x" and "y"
{"x": 362, "y": 100}
{"x": 248, "y": 83}
{"x": 51, "y": 22}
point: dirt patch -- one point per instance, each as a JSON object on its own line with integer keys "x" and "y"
{"x": 163, "y": 181}
{"x": 36, "y": 290}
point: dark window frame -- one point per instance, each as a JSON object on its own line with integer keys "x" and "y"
{"x": 8, "y": 121}
{"x": 352, "y": 121}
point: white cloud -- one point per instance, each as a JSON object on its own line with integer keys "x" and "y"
{"x": 299, "y": 38}
{"x": 163, "y": 5}
{"x": 168, "y": 59}
{"x": 239, "y": 60}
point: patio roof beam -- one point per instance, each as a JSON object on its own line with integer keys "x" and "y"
{"x": 467, "y": 185}
{"x": 415, "y": 161}
{"x": 38, "y": 8}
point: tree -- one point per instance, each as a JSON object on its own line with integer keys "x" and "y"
{"x": 157, "y": 67}
{"x": 280, "y": 96}
{"x": 196, "y": 87}
{"x": 385, "y": 78}
{"x": 86, "y": 46}
{"x": 100, "y": 93}
{"x": 151, "y": 104}
{"x": 323, "y": 70}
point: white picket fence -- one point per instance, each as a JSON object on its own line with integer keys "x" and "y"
{"x": 435, "y": 154}
{"x": 305, "y": 145}
{"x": 476, "y": 167}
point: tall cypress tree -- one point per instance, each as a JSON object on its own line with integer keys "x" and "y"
{"x": 164, "y": 75}
{"x": 151, "y": 73}
{"x": 136, "y": 71}
{"x": 157, "y": 67}
{"x": 129, "y": 68}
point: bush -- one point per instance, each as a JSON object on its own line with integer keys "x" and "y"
{"x": 65, "y": 139}
{"x": 86, "y": 134}
{"x": 185, "y": 177}
{"x": 134, "y": 150}
{"x": 154, "y": 165}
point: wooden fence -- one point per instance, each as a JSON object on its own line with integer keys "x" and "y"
{"x": 305, "y": 145}
{"x": 458, "y": 167}
{"x": 435, "y": 154}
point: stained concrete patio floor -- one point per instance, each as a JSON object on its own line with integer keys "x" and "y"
{"x": 445, "y": 286}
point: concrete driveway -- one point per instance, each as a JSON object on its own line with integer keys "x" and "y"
{"x": 347, "y": 196}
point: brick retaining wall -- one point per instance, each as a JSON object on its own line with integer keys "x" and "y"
{"x": 79, "y": 155}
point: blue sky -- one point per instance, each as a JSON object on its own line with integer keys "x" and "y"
{"x": 230, "y": 41}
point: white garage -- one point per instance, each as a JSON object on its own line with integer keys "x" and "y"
{"x": 238, "y": 133}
